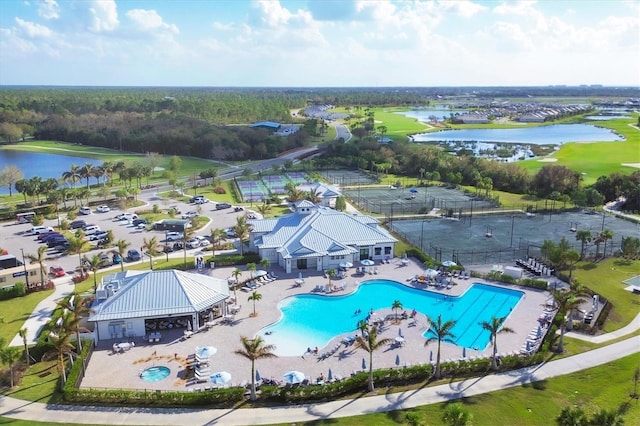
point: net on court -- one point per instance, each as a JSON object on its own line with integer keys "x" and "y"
{"x": 347, "y": 177}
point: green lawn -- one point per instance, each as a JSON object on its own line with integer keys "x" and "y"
{"x": 16, "y": 311}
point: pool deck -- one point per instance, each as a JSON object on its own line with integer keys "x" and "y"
{"x": 109, "y": 370}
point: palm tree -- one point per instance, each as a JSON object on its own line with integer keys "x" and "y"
{"x": 76, "y": 308}
{"x": 331, "y": 274}
{"x": 241, "y": 229}
{"x": 255, "y": 296}
{"x": 456, "y": 415}
{"x": 584, "y": 236}
{"x": 441, "y": 332}
{"x": 396, "y": 305}
{"x": 263, "y": 209}
{"x": 251, "y": 267}
{"x": 94, "y": 265}
{"x": 42, "y": 250}
{"x": 216, "y": 236}
{"x": 607, "y": 418}
{"x": 606, "y": 235}
{"x": 254, "y": 349}
{"x": 187, "y": 233}
{"x": 122, "y": 245}
{"x": 60, "y": 340}
{"x": 570, "y": 416}
{"x": 566, "y": 302}
{"x": 265, "y": 263}
{"x": 368, "y": 341}
{"x": 23, "y": 333}
{"x": 571, "y": 257}
{"x": 237, "y": 273}
{"x": 494, "y": 327}
{"x": 78, "y": 245}
{"x": 87, "y": 171}
{"x": 151, "y": 248}
{"x": 9, "y": 355}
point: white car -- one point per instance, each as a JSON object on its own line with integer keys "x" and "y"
{"x": 103, "y": 209}
{"x": 193, "y": 243}
{"x": 174, "y": 236}
{"x": 230, "y": 233}
{"x": 190, "y": 214}
{"x": 85, "y": 210}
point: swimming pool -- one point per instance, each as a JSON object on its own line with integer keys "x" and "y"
{"x": 311, "y": 320}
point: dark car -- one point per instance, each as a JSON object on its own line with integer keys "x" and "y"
{"x": 77, "y": 224}
{"x": 57, "y": 242}
{"x": 133, "y": 255}
{"x": 178, "y": 246}
{"x": 52, "y": 236}
{"x": 62, "y": 247}
{"x": 102, "y": 235}
{"x": 222, "y": 206}
{"x": 139, "y": 221}
{"x": 43, "y": 237}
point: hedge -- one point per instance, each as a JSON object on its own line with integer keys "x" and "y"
{"x": 18, "y": 290}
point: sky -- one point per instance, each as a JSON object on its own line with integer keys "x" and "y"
{"x": 319, "y": 43}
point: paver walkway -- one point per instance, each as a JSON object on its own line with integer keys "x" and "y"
{"x": 34, "y": 411}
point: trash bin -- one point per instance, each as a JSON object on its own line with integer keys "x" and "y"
{"x": 212, "y": 265}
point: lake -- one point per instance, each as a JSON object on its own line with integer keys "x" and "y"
{"x": 423, "y": 114}
{"x": 40, "y": 164}
{"x": 556, "y": 134}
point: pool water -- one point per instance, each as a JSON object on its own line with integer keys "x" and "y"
{"x": 311, "y": 320}
{"x": 155, "y": 374}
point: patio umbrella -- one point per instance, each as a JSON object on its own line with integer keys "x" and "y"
{"x": 220, "y": 378}
{"x": 346, "y": 265}
{"x": 293, "y": 377}
{"x": 413, "y": 191}
{"x": 364, "y": 364}
{"x": 464, "y": 352}
{"x": 449, "y": 263}
{"x": 206, "y": 351}
{"x": 399, "y": 340}
{"x": 397, "y": 359}
{"x": 367, "y": 262}
{"x": 258, "y": 377}
{"x": 330, "y": 376}
{"x": 299, "y": 275}
{"x": 260, "y": 273}
{"x": 430, "y": 273}
{"x": 400, "y": 332}
{"x": 189, "y": 328}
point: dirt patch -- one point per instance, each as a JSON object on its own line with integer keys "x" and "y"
{"x": 548, "y": 160}
{"x": 636, "y": 165}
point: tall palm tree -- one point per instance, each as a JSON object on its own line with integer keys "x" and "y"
{"x": 265, "y": 263}
{"x": 605, "y": 236}
{"x": 39, "y": 258}
{"x": 78, "y": 245}
{"x": 255, "y": 296}
{"x": 241, "y": 229}
{"x": 237, "y": 273}
{"x": 264, "y": 209}
{"x": 23, "y": 333}
{"x": 151, "y": 248}
{"x": 108, "y": 168}
{"x": 121, "y": 246}
{"x": 72, "y": 176}
{"x": 255, "y": 349}
{"x": 216, "y": 236}
{"x": 369, "y": 342}
{"x": 76, "y": 308}
{"x": 187, "y": 233}
{"x": 87, "y": 171}
{"x": 251, "y": 267}
{"x": 584, "y": 236}
{"x": 494, "y": 327}
{"x": 566, "y": 301}
{"x": 439, "y": 332}
{"x": 94, "y": 265}
{"x": 395, "y": 306}
{"x": 9, "y": 355}
{"x": 607, "y": 418}
{"x": 331, "y": 274}
{"x": 60, "y": 340}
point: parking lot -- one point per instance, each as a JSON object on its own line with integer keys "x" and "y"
{"x": 15, "y": 237}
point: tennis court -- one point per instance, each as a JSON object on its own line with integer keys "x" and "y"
{"x": 298, "y": 177}
{"x": 252, "y": 190}
{"x": 275, "y": 183}
{"x": 348, "y": 177}
{"x": 511, "y": 236}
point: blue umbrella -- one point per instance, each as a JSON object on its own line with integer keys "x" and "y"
{"x": 293, "y": 377}
{"x": 413, "y": 190}
{"x": 330, "y": 376}
{"x": 258, "y": 377}
{"x": 206, "y": 351}
{"x": 397, "y": 359}
{"x": 364, "y": 364}
{"x": 220, "y": 378}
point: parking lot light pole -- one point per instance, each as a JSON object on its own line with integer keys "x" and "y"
{"x": 24, "y": 264}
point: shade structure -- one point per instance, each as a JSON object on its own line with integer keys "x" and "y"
{"x": 367, "y": 262}
{"x": 346, "y": 265}
{"x": 364, "y": 364}
{"x": 220, "y": 378}
{"x": 449, "y": 263}
{"x": 260, "y": 273}
{"x": 258, "y": 376}
{"x": 430, "y": 273}
{"x": 397, "y": 359}
{"x": 413, "y": 191}
{"x": 293, "y": 377}
{"x": 206, "y": 351}
{"x": 330, "y": 376}
{"x": 399, "y": 339}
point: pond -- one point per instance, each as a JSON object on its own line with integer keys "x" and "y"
{"x": 41, "y": 164}
{"x": 426, "y": 114}
{"x": 556, "y": 134}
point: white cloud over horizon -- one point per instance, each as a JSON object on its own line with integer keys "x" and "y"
{"x": 320, "y": 43}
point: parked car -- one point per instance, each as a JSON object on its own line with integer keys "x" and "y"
{"x": 103, "y": 209}
{"x": 238, "y": 209}
{"x": 57, "y": 271}
{"x": 190, "y": 214}
{"x": 174, "y": 236}
{"x": 62, "y": 246}
{"x": 116, "y": 258}
{"x": 91, "y": 229}
{"x": 222, "y": 206}
{"x": 178, "y": 246}
{"x": 55, "y": 242}
{"x": 167, "y": 249}
{"x": 77, "y": 224}
{"x": 196, "y": 198}
{"x": 52, "y": 236}
{"x": 126, "y": 216}
{"x": 133, "y": 255}
{"x": 139, "y": 221}
{"x": 201, "y": 201}
{"x": 101, "y": 235}
{"x": 105, "y": 260}
{"x": 230, "y": 233}
{"x": 85, "y": 210}
{"x": 193, "y": 243}
{"x": 44, "y": 236}
{"x": 37, "y": 230}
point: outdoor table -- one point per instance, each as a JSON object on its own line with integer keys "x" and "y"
{"x": 299, "y": 282}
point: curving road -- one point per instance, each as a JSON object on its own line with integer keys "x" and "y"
{"x": 35, "y": 411}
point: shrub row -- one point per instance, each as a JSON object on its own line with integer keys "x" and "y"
{"x": 18, "y": 290}
{"x": 236, "y": 259}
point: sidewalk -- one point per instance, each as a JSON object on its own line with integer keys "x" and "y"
{"x": 628, "y": 329}
{"x": 35, "y": 411}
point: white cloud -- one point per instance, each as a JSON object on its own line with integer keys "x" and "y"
{"x": 49, "y": 9}
{"x": 151, "y": 21}
{"x": 221, "y": 26}
{"x": 464, "y": 8}
{"x": 104, "y": 15}
{"x": 33, "y": 30}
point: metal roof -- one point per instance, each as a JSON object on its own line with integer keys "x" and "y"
{"x": 160, "y": 293}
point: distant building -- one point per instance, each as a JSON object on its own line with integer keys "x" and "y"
{"x": 269, "y": 125}
{"x": 13, "y": 271}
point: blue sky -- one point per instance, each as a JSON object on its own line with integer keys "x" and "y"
{"x": 319, "y": 42}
